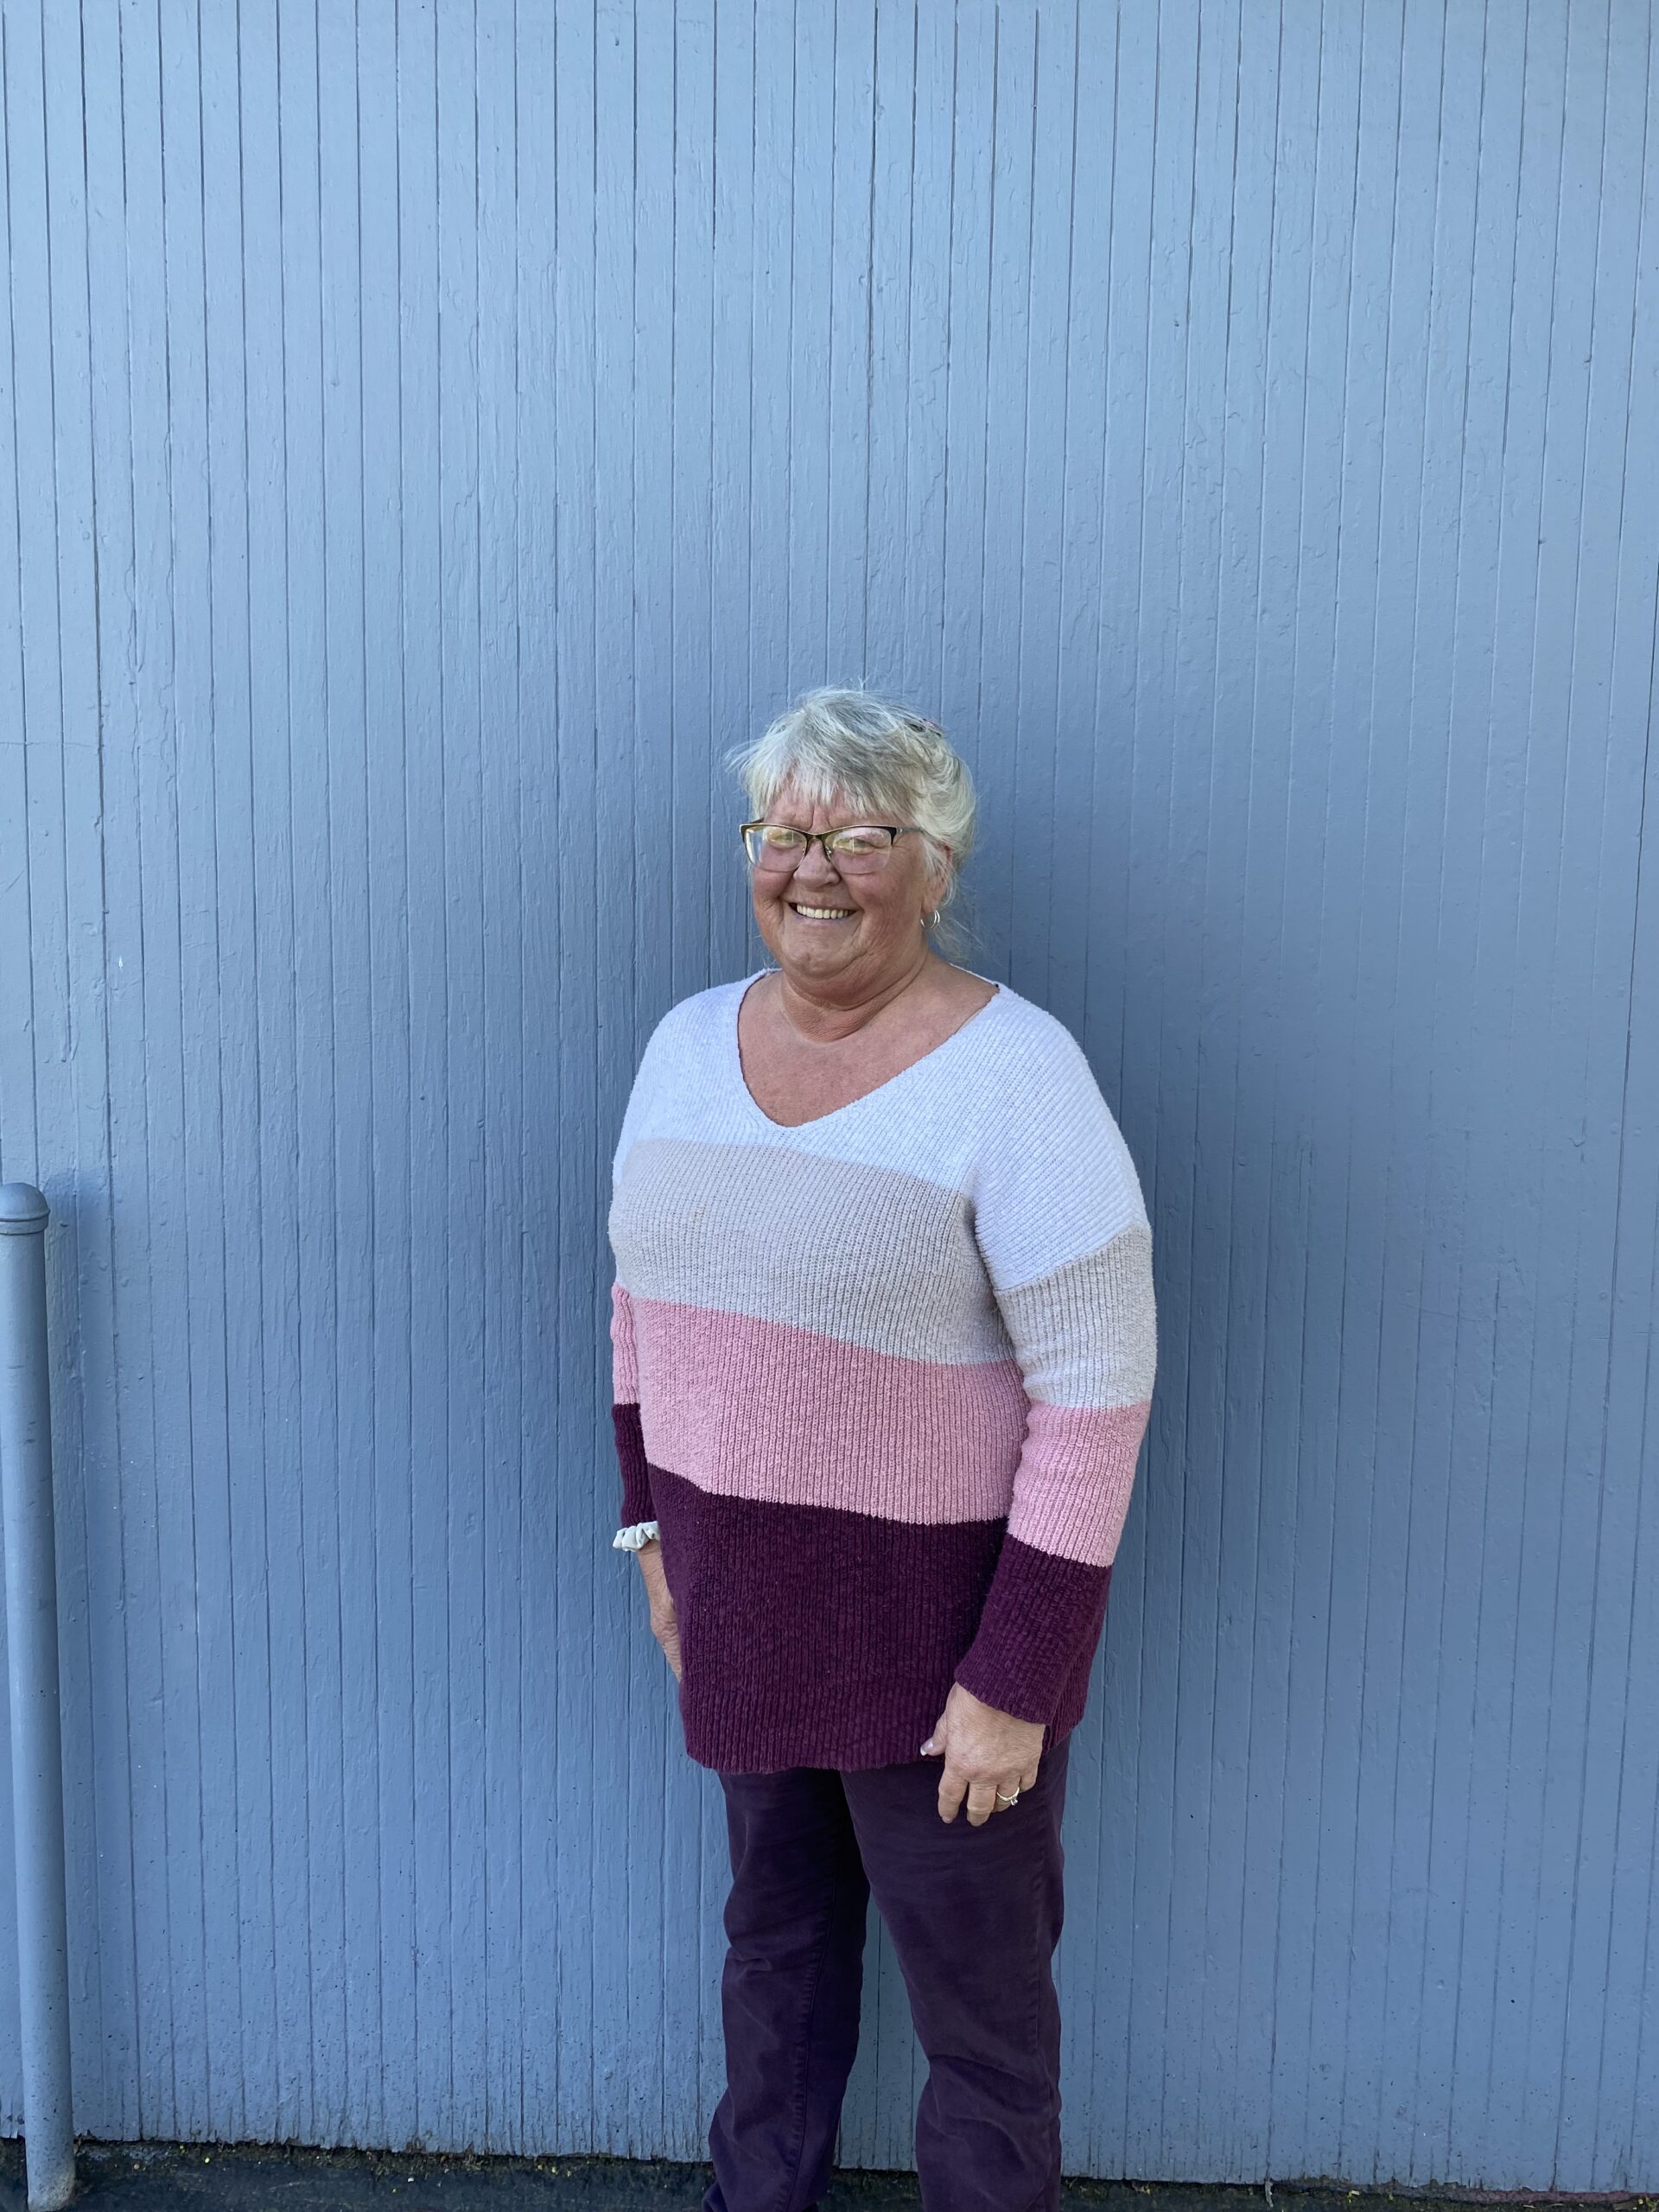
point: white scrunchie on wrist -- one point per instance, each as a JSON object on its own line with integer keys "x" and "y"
{"x": 634, "y": 1539}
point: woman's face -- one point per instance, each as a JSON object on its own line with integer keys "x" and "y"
{"x": 826, "y": 929}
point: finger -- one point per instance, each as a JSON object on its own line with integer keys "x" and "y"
{"x": 934, "y": 1747}
{"x": 1028, "y": 1779}
{"x": 1008, "y": 1793}
{"x": 952, "y": 1786}
{"x": 981, "y": 1802}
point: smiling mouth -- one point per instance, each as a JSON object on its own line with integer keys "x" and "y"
{"x": 820, "y": 913}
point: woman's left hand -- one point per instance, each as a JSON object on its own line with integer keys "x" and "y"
{"x": 985, "y": 1751}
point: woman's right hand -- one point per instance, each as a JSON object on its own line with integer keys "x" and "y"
{"x": 665, "y": 1624}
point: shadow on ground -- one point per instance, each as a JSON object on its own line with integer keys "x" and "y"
{"x": 251, "y": 2177}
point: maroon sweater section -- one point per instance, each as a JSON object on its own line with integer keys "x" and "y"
{"x": 862, "y": 1623}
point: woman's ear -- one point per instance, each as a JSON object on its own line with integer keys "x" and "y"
{"x": 938, "y": 874}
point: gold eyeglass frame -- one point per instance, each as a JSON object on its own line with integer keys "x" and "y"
{"x": 810, "y": 837}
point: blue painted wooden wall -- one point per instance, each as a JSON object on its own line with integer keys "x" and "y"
{"x": 430, "y": 434}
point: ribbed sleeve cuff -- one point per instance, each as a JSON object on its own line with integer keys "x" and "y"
{"x": 1038, "y": 1631}
{"x": 630, "y": 1460}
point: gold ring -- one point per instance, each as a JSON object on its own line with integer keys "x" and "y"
{"x": 1002, "y": 1800}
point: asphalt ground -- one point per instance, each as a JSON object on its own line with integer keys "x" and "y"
{"x": 254, "y": 2177}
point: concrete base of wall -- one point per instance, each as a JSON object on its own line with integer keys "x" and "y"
{"x": 256, "y": 2178}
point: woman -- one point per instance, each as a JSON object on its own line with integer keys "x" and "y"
{"x": 884, "y": 1343}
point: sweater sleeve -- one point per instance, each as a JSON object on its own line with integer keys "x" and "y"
{"x": 637, "y": 1505}
{"x": 638, "y": 1511}
{"x": 1062, "y": 1230}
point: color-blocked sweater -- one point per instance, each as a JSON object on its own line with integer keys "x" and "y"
{"x": 881, "y": 1380}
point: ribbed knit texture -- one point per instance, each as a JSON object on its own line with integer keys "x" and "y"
{"x": 882, "y": 1379}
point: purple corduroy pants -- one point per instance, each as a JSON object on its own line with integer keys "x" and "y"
{"x": 974, "y": 1914}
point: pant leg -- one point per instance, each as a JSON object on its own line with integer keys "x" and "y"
{"x": 790, "y": 1989}
{"x": 975, "y": 1914}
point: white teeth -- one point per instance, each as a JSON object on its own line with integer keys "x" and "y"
{"x": 824, "y": 914}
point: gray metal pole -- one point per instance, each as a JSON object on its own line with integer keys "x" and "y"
{"x": 36, "y": 1736}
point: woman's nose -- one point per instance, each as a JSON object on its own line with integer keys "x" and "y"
{"x": 815, "y": 862}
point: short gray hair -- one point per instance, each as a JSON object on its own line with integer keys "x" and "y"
{"x": 874, "y": 754}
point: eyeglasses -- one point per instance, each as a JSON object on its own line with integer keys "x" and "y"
{"x": 855, "y": 850}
